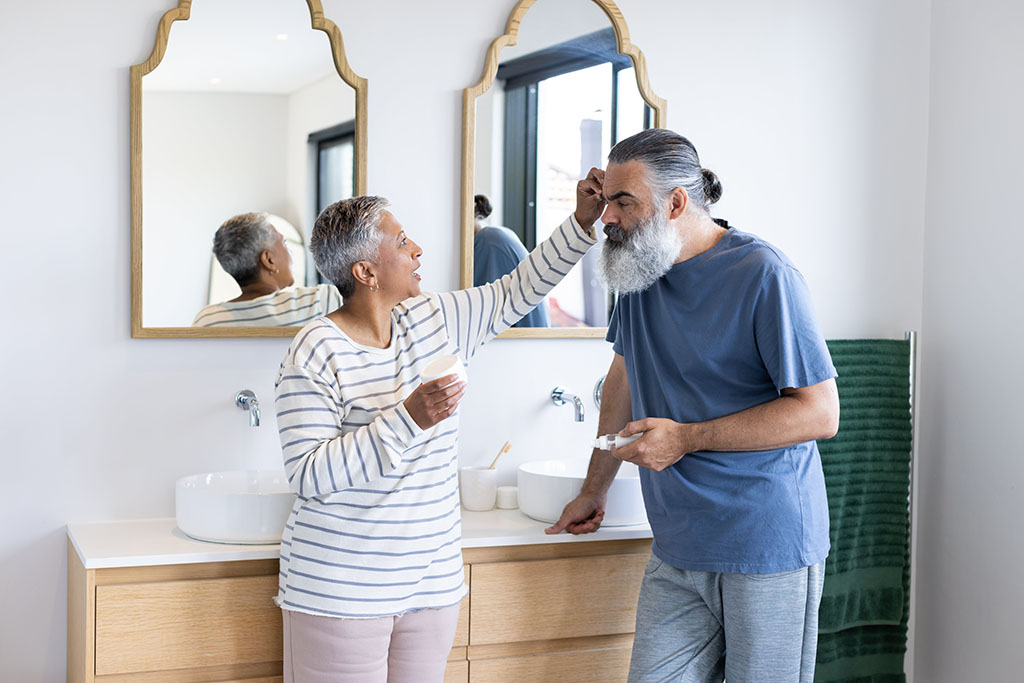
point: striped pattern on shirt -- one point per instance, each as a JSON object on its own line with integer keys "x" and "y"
{"x": 289, "y": 307}
{"x": 375, "y": 530}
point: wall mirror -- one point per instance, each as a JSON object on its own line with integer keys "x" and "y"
{"x": 243, "y": 106}
{"x": 559, "y": 89}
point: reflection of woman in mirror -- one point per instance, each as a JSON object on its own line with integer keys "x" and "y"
{"x": 371, "y": 562}
{"x": 253, "y": 252}
{"x": 496, "y": 252}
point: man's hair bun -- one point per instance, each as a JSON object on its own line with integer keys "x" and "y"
{"x": 712, "y": 186}
{"x": 481, "y": 206}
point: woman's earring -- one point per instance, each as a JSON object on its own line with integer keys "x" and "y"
{"x": 374, "y": 287}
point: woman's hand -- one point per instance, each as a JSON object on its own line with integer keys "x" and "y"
{"x": 435, "y": 400}
{"x": 590, "y": 199}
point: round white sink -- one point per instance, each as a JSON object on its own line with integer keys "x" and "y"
{"x": 545, "y": 486}
{"x": 234, "y": 507}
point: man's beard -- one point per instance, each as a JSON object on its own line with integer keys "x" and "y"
{"x": 644, "y": 254}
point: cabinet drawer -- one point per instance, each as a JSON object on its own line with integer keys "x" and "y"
{"x": 187, "y": 624}
{"x": 462, "y": 631}
{"x": 457, "y": 671}
{"x": 592, "y": 666}
{"x": 546, "y": 599}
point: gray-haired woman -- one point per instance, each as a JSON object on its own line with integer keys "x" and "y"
{"x": 371, "y": 561}
{"x": 253, "y": 252}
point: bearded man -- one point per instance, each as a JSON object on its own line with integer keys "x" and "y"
{"x": 721, "y": 368}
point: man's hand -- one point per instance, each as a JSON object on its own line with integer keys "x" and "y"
{"x": 663, "y": 444}
{"x": 590, "y": 201}
{"x": 582, "y": 515}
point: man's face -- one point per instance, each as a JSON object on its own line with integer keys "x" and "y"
{"x": 641, "y": 244}
{"x": 630, "y": 200}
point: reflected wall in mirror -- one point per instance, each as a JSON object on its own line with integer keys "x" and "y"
{"x": 239, "y": 113}
{"x": 559, "y": 89}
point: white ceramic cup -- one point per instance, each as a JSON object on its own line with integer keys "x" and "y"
{"x": 442, "y": 366}
{"x": 478, "y": 488}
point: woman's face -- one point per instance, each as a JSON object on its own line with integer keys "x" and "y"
{"x": 282, "y": 261}
{"x": 397, "y": 261}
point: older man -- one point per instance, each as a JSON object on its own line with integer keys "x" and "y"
{"x": 720, "y": 366}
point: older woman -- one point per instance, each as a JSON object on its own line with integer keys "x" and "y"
{"x": 253, "y": 252}
{"x": 371, "y": 561}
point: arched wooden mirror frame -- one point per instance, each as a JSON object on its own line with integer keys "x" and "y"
{"x": 137, "y": 71}
{"x": 469, "y": 97}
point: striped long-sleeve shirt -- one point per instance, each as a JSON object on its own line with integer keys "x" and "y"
{"x": 375, "y": 529}
{"x": 292, "y": 306}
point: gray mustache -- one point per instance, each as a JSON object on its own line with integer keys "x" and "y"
{"x": 615, "y": 232}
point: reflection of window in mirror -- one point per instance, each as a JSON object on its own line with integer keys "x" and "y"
{"x": 565, "y": 106}
{"x": 333, "y": 149}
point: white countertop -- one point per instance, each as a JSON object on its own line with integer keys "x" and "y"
{"x": 146, "y": 542}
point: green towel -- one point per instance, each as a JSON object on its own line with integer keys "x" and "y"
{"x": 862, "y": 621}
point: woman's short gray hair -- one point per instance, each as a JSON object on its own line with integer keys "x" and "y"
{"x": 673, "y": 162}
{"x": 345, "y": 233}
{"x": 238, "y": 243}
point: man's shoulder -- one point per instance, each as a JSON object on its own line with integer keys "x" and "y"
{"x": 759, "y": 249}
{"x": 497, "y": 234}
{"x": 755, "y": 255}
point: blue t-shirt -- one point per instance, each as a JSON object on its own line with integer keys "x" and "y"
{"x": 496, "y": 253}
{"x": 719, "y": 333}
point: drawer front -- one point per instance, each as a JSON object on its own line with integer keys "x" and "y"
{"x": 462, "y": 631}
{"x": 592, "y": 666}
{"x": 187, "y": 624}
{"x": 457, "y": 671}
{"x": 547, "y": 599}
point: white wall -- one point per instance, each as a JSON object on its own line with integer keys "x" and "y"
{"x": 813, "y": 114}
{"x": 971, "y": 534}
{"x": 312, "y": 108}
{"x": 551, "y": 23}
{"x": 207, "y": 157}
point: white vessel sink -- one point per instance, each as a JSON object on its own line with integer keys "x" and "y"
{"x": 545, "y": 486}
{"x": 234, "y": 507}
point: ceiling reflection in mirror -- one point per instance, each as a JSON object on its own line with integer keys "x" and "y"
{"x": 246, "y": 124}
{"x": 562, "y": 97}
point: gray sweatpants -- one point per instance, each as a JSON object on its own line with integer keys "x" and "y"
{"x": 698, "y": 627}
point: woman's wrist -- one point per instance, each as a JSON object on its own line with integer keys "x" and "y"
{"x": 587, "y": 228}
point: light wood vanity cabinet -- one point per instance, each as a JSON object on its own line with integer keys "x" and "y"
{"x": 558, "y": 612}
{"x": 535, "y": 613}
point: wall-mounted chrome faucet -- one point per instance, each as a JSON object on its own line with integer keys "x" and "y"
{"x": 560, "y": 396}
{"x": 246, "y": 400}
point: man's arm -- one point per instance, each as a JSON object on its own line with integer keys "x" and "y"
{"x": 798, "y": 415}
{"x": 585, "y": 513}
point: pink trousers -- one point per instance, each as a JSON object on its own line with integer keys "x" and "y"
{"x": 410, "y": 648}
